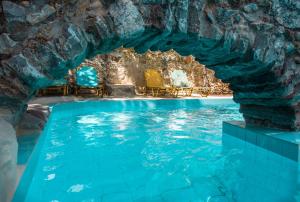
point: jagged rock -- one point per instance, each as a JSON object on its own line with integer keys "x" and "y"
{"x": 8, "y": 160}
{"x": 37, "y": 17}
{"x": 34, "y": 118}
{"x": 249, "y": 8}
{"x": 297, "y": 36}
{"x": 287, "y": 13}
{"x": 6, "y": 43}
{"x": 127, "y": 19}
{"x": 13, "y": 12}
{"x": 6, "y": 114}
{"x": 256, "y": 55}
{"x": 289, "y": 48}
{"x": 26, "y": 71}
{"x": 15, "y": 16}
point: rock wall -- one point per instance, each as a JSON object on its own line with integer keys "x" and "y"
{"x": 126, "y": 67}
{"x": 8, "y": 160}
{"x": 253, "y": 45}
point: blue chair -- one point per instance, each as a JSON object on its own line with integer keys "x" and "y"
{"x": 88, "y": 81}
{"x": 180, "y": 81}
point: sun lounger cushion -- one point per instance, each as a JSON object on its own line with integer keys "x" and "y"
{"x": 153, "y": 79}
{"x": 87, "y": 77}
{"x": 179, "y": 79}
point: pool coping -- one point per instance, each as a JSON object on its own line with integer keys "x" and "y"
{"x": 30, "y": 166}
{"x": 62, "y": 99}
{"x": 284, "y": 143}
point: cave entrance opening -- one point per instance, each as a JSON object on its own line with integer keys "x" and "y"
{"x": 121, "y": 73}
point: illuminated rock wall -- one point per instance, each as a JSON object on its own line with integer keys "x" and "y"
{"x": 125, "y": 66}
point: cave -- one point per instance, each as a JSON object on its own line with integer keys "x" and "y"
{"x": 253, "y": 46}
{"x": 121, "y": 73}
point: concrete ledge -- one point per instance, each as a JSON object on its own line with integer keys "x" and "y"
{"x": 281, "y": 142}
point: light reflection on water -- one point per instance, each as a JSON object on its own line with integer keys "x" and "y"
{"x": 157, "y": 155}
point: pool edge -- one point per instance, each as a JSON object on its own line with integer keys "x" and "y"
{"x": 284, "y": 143}
{"x": 24, "y": 184}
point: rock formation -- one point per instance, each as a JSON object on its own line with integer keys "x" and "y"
{"x": 8, "y": 160}
{"x": 252, "y": 46}
{"x": 124, "y": 66}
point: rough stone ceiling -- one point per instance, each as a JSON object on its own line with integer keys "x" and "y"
{"x": 253, "y": 46}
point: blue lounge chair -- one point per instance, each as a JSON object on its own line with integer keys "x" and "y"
{"x": 88, "y": 81}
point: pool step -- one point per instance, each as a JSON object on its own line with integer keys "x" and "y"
{"x": 284, "y": 143}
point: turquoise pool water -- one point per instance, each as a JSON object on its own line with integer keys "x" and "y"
{"x": 164, "y": 150}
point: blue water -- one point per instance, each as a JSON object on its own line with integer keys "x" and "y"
{"x": 166, "y": 150}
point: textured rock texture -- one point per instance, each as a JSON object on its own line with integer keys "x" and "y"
{"x": 34, "y": 118}
{"x": 8, "y": 160}
{"x": 124, "y": 66}
{"x": 253, "y": 45}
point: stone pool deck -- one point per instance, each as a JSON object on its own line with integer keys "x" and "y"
{"x": 58, "y": 99}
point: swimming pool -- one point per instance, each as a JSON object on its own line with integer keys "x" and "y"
{"x": 151, "y": 150}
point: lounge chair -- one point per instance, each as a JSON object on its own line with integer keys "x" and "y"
{"x": 155, "y": 84}
{"x": 180, "y": 81}
{"x": 58, "y": 87}
{"x": 204, "y": 91}
{"x": 88, "y": 82}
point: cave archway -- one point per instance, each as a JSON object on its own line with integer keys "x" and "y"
{"x": 252, "y": 46}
